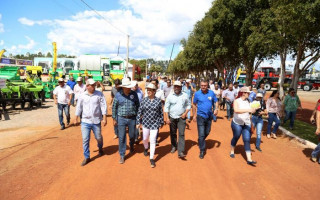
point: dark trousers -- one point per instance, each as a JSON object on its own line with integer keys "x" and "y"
{"x": 179, "y": 124}
{"x": 204, "y": 128}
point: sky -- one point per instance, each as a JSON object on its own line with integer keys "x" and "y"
{"x": 153, "y": 26}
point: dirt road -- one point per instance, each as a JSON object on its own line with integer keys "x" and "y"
{"x": 46, "y": 165}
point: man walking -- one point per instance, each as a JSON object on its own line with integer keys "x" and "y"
{"x": 167, "y": 89}
{"x": 114, "y": 91}
{"x": 229, "y": 96}
{"x": 62, "y": 96}
{"x": 93, "y": 108}
{"x": 78, "y": 89}
{"x": 203, "y": 104}
{"x": 124, "y": 110}
{"x": 176, "y": 108}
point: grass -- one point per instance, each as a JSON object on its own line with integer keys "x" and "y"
{"x": 303, "y": 130}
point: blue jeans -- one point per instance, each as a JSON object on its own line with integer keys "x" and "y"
{"x": 257, "y": 122}
{"x": 86, "y": 130}
{"x": 204, "y": 127}
{"x": 66, "y": 109}
{"x": 316, "y": 152}
{"x": 122, "y": 124}
{"x": 214, "y": 116}
{"x": 116, "y": 130}
{"x": 246, "y": 136}
{"x": 229, "y": 109}
{"x": 272, "y": 117}
{"x": 290, "y": 115}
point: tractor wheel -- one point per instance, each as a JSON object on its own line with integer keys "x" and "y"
{"x": 267, "y": 86}
{"x": 307, "y": 88}
{"x": 43, "y": 97}
{"x": 14, "y": 105}
{"x": 23, "y": 103}
{"x": 51, "y": 95}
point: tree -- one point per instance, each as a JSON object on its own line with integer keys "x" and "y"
{"x": 49, "y": 55}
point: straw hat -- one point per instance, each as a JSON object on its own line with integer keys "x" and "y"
{"x": 126, "y": 83}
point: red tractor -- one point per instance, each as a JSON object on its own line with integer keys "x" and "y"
{"x": 270, "y": 78}
{"x": 308, "y": 84}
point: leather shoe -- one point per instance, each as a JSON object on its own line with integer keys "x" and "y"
{"x": 173, "y": 150}
{"x": 201, "y": 156}
{"x": 252, "y": 163}
{"x": 101, "y": 153}
{"x": 85, "y": 161}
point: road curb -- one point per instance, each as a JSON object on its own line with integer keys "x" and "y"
{"x": 300, "y": 140}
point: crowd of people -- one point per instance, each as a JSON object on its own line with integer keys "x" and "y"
{"x": 176, "y": 104}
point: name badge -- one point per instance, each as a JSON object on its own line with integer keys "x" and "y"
{"x": 209, "y": 98}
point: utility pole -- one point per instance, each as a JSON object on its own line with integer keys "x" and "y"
{"x": 118, "y": 48}
{"x": 127, "y": 66}
{"x": 146, "y": 67}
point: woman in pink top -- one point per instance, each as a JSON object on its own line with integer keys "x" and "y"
{"x": 274, "y": 113}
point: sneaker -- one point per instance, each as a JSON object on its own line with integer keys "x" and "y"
{"x": 268, "y": 136}
{"x": 181, "y": 155}
{"x": 231, "y": 155}
{"x": 115, "y": 137}
{"x": 101, "y": 153}
{"x": 274, "y": 136}
{"x": 85, "y": 161}
{"x": 173, "y": 150}
{"x": 121, "y": 160}
{"x": 259, "y": 149}
{"x": 153, "y": 163}
{"x": 314, "y": 159}
{"x": 145, "y": 152}
{"x": 62, "y": 127}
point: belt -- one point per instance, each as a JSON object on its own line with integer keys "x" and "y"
{"x": 128, "y": 117}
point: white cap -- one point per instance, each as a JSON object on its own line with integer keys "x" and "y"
{"x": 126, "y": 83}
{"x": 60, "y": 80}
{"x": 259, "y": 95}
{"x": 90, "y": 81}
{"x": 178, "y": 83}
{"x": 245, "y": 89}
{"x": 79, "y": 79}
{"x": 151, "y": 86}
{"x": 188, "y": 80}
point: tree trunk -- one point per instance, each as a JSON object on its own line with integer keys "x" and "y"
{"x": 296, "y": 72}
{"x": 249, "y": 65}
{"x": 283, "y": 57}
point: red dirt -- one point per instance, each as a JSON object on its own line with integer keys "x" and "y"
{"x": 48, "y": 167}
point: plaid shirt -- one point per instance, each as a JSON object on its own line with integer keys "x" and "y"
{"x": 125, "y": 105}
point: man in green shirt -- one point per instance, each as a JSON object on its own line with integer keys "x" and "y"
{"x": 291, "y": 104}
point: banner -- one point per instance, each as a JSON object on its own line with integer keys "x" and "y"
{"x": 24, "y": 62}
{"x": 8, "y": 61}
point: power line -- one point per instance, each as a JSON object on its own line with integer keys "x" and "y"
{"x": 104, "y": 18}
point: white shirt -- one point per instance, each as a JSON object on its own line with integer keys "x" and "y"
{"x": 236, "y": 90}
{"x": 160, "y": 94}
{"x": 63, "y": 94}
{"x": 243, "y": 118}
{"x": 78, "y": 90}
{"x": 216, "y": 92}
{"x": 92, "y": 107}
